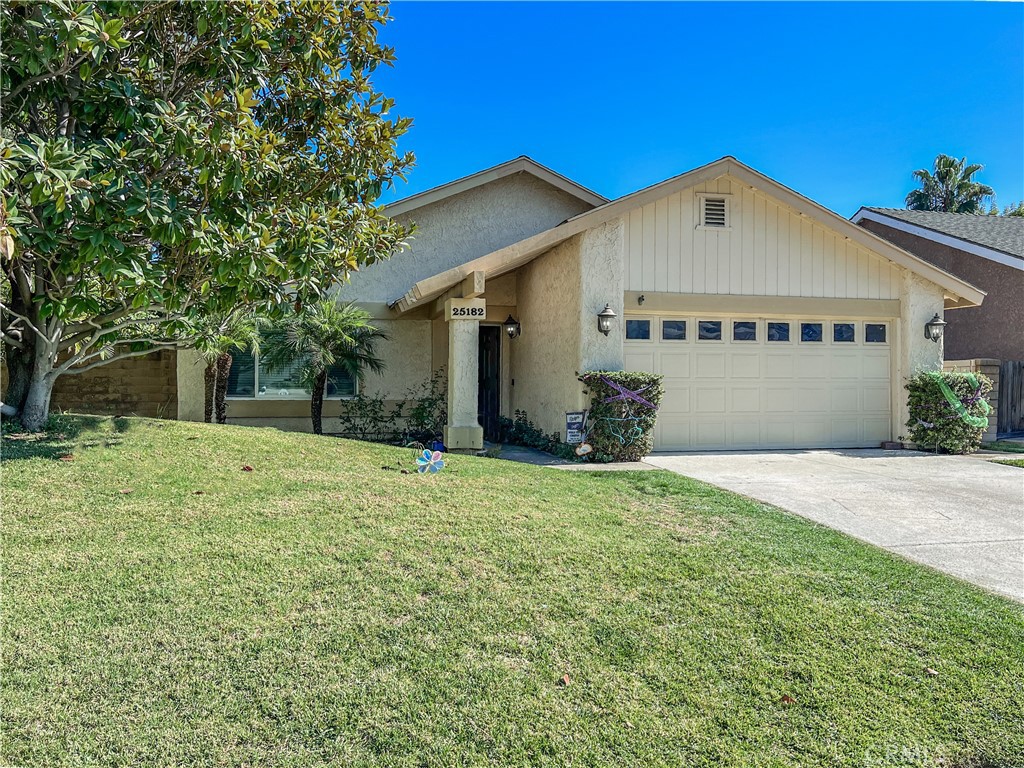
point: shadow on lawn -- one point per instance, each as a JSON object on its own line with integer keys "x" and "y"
{"x": 64, "y": 436}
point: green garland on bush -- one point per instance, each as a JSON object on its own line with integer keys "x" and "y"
{"x": 621, "y": 430}
{"x": 948, "y": 411}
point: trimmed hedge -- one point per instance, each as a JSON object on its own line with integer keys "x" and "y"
{"x": 622, "y": 430}
{"x": 935, "y": 422}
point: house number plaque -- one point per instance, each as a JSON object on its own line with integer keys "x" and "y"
{"x": 466, "y": 309}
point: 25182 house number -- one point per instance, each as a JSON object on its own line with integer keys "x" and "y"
{"x": 468, "y": 311}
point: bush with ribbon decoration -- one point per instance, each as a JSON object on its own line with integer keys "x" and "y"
{"x": 623, "y": 411}
{"x": 948, "y": 411}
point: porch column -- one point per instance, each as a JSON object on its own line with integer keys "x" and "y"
{"x": 463, "y": 432}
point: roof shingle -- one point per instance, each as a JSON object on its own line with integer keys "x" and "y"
{"x": 1000, "y": 233}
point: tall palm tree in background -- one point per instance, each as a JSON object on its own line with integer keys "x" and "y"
{"x": 951, "y": 188}
{"x": 323, "y": 336}
{"x": 214, "y": 339}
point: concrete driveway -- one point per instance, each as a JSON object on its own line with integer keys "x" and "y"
{"x": 959, "y": 514}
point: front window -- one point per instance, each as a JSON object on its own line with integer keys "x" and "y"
{"x": 810, "y": 332}
{"x": 709, "y": 330}
{"x": 249, "y": 377}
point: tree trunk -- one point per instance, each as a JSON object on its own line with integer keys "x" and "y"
{"x": 210, "y": 380}
{"x": 36, "y": 408}
{"x": 316, "y": 405}
{"x": 19, "y": 374}
{"x": 223, "y": 371}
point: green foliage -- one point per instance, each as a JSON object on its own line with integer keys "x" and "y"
{"x": 934, "y": 422}
{"x": 371, "y": 418}
{"x": 951, "y": 188}
{"x": 521, "y": 430}
{"x": 161, "y": 160}
{"x": 1017, "y": 209}
{"x": 321, "y": 336}
{"x": 426, "y": 418}
{"x": 622, "y": 430}
{"x": 368, "y": 417}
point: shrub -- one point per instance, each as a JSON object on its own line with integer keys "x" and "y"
{"x": 935, "y": 421}
{"x": 622, "y": 429}
{"x": 425, "y": 421}
{"x": 367, "y": 417}
{"x": 521, "y": 431}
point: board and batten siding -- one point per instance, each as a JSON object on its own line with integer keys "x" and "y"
{"x": 768, "y": 250}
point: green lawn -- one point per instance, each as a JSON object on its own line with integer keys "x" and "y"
{"x": 1010, "y": 462}
{"x": 1006, "y": 446}
{"x": 161, "y": 606}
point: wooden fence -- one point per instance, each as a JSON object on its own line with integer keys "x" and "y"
{"x": 1011, "y": 397}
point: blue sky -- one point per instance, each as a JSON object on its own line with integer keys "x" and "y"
{"x": 840, "y": 101}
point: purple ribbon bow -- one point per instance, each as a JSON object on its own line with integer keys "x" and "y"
{"x": 627, "y": 394}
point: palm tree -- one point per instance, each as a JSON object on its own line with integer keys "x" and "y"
{"x": 321, "y": 337}
{"x": 215, "y": 338}
{"x": 951, "y": 188}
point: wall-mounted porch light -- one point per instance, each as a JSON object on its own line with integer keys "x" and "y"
{"x": 512, "y": 327}
{"x": 604, "y": 319}
{"x": 934, "y": 328}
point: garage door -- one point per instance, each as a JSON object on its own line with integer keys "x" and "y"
{"x": 742, "y": 383}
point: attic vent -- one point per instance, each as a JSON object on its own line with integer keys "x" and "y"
{"x": 714, "y": 212}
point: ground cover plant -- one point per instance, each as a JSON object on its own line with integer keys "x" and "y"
{"x": 190, "y": 594}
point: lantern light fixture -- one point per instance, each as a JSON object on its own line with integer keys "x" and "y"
{"x": 934, "y": 328}
{"x": 604, "y": 319}
{"x": 512, "y": 327}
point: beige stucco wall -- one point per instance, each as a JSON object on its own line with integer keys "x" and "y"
{"x": 463, "y": 227}
{"x": 602, "y": 282}
{"x": 546, "y": 357}
{"x": 920, "y": 300}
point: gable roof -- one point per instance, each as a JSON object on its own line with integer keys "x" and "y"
{"x": 991, "y": 236}
{"x": 521, "y": 164}
{"x": 516, "y": 255}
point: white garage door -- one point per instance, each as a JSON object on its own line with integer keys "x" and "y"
{"x": 742, "y": 383}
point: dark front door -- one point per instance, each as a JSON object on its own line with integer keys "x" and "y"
{"x": 489, "y": 396}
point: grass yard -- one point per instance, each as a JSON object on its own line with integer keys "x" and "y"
{"x": 161, "y": 606}
{"x": 1010, "y": 462}
{"x": 1005, "y": 446}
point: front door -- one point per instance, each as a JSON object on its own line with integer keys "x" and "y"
{"x": 489, "y": 396}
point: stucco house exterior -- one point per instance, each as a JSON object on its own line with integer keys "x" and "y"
{"x": 986, "y": 251}
{"x": 775, "y": 322}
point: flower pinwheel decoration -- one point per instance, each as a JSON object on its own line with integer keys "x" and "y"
{"x": 432, "y": 462}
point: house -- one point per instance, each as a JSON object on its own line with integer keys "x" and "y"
{"x": 986, "y": 251}
{"x": 775, "y": 322}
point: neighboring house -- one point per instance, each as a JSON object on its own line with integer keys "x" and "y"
{"x": 986, "y": 251}
{"x": 775, "y": 322}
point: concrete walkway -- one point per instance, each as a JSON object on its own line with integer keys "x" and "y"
{"x": 960, "y": 514}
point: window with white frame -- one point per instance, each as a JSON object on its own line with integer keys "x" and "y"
{"x": 251, "y": 378}
{"x": 714, "y": 211}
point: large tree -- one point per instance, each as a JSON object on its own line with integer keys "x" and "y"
{"x": 951, "y": 188}
{"x": 167, "y": 160}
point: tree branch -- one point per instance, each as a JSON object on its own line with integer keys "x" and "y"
{"x": 159, "y": 346}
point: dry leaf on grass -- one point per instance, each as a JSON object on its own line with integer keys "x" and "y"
{"x": 247, "y": 468}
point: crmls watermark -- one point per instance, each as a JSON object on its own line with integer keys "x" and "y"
{"x": 912, "y": 755}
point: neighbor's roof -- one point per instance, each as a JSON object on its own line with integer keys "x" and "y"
{"x": 998, "y": 233}
{"x": 516, "y": 255}
{"x": 521, "y": 164}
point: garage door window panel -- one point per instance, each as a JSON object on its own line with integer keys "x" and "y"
{"x": 843, "y": 333}
{"x": 638, "y": 330}
{"x": 778, "y": 332}
{"x": 876, "y": 333}
{"x": 709, "y": 330}
{"x": 673, "y": 330}
{"x": 812, "y": 333}
{"x": 744, "y": 330}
